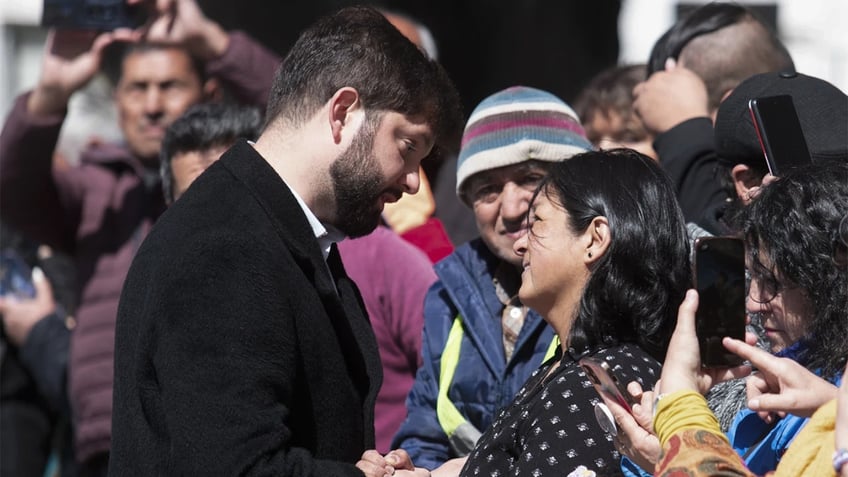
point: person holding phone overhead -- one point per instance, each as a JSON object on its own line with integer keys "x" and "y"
{"x": 799, "y": 285}
{"x": 102, "y": 209}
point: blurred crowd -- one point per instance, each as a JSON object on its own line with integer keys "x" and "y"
{"x": 320, "y": 264}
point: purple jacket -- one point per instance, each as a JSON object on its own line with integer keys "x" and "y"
{"x": 393, "y": 277}
{"x": 99, "y": 212}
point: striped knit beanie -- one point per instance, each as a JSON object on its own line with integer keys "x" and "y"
{"x": 516, "y": 125}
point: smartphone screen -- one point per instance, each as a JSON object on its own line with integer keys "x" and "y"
{"x": 98, "y": 15}
{"x": 720, "y": 281}
{"x": 15, "y": 276}
{"x": 606, "y": 382}
{"x": 779, "y": 132}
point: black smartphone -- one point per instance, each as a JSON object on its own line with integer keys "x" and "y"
{"x": 720, "y": 280}
{"x": 99, "y": 15}
{"x": 779, "y": 132}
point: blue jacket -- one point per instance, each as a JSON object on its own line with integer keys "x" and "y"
{"x": 483, "y": 382}
{"x": 762, "y": 445}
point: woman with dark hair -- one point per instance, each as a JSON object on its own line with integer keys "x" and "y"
{"x": 791, "y": 233}
{"x": 797, "y": 257}
{"x": 606, "y": 264}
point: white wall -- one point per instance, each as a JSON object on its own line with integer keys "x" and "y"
{"x": 812, "y": 30}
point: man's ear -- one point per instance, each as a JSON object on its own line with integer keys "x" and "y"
{"x": 745, "y": 181}
{"x": 599, "y": 239}
{"x": 343, "y": 104}
{"x": 212, "y": 90}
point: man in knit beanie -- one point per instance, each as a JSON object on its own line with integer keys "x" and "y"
{"x": 480, "y": 342}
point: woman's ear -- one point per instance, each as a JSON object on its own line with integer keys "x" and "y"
{"x": 599, "y": 239}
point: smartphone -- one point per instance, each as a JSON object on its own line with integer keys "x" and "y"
{"x": 779, "y": 132}
{"x": 99, "y": 15}
{"x": 15, "y": 276}
{"x": 606, "y": 382}
{"x": 720, "y": 280}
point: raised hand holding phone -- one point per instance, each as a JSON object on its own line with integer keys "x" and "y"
{"x": 720, "y": 281}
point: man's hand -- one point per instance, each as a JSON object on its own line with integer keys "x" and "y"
{"x": 20, "y": 315}
{"x": 181, "y": 22}
{"x": 71, "y": 59}
{"x": 670, "y": 97}
{"x": 374, "y": 464}
{"x": 780, "y": 386}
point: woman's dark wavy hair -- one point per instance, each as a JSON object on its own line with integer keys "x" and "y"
{"x": 635, "y": 289}
{"x": 795, "y": 223}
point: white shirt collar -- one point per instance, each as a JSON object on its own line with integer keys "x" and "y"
{"x": 327, "y": 235}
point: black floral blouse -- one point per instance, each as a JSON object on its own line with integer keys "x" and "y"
{"x": 549, "y": 429}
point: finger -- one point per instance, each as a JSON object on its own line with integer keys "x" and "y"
{"x": 41, "y": 284}
{"x": 686, "y": 313}
{"x": 164, "y": 6}
{"x": 372, "y": 470}
{"x": 374, "y": 457}
{"x": 755, "y": 386}
{"x": 751, "y": 338}
{"x": 626, "y": 423}
{"x": 399, "y": 459}
{"x": 102, "y": 41}
{"x": 635, "y": 389}
{"x": 769, "y": 403}
{"x": 762, "y": 359}
{"x": 768, "y": 179}
{"x": 670, "y": 64}
{"x": 644, "y": 411}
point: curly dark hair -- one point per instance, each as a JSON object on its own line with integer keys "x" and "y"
{"x": 795, "y": 224}
{"x": 634, "y": 291}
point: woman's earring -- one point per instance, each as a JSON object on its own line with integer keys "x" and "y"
{"x": 590, "y": 254}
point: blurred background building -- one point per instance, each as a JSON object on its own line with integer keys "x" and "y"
{"x": 485, "y": 45}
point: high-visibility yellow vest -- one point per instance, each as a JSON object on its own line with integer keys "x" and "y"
{"x": 461, "y": 433}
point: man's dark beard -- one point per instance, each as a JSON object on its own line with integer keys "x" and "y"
{"x": 357, "y": 183}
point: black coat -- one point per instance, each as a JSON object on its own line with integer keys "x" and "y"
{"x": 234, "y": 353}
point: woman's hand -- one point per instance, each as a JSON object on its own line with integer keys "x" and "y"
{"x": 841, "y": 433}
{"x": 635, "y": 437}
{"x": 682, "y": 369}
{"x": 374, "y": 464}
{"x": 780, "y": 386}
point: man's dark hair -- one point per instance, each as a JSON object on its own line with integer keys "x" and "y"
{"x": 795, "y": 223}
{"x": 611, "y": 91}
{"x": 635, "y": 289}
{"x": 723, "y": 43}
{"x": 116, "y": 53}
{"x": 201, "y": 128}
{"x": 359, "y": 48}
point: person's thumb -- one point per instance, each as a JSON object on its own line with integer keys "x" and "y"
{"x": 670, "y": 64}
{"x": 43, "y": 290}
